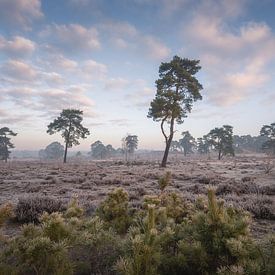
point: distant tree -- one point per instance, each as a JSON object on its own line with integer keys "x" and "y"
{"x": 55, "y": 150}
{"x": 69, "y": 124}
{"x": 175, "y": 146}
{"x": 131, "y": 142}
{"x": 187, "y": 142}
{"x": 248, "y": 143}
{"x": 78, "y": 154}
{"x": 177, "y": 89}
{"x": 203, "y": 145}
{"x": 222, "y": 140}
{"x": 269, "y": 132}
{"x": 110, "y": 150}
{"x": 42, "y": 154}
{"x": 98, "y": 150}
{"x": 5, "y": 143}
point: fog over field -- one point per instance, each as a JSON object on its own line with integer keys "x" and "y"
{"x": 137, "y": 137}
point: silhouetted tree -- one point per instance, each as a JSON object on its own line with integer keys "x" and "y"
{"x": 203, "y": 145}
{"x": 269, "y": 132}
{"x": 5, "y": 143}
{"x": 175, "y": 146}
{"x": 249, "y": 143}
{"x": 187, "y": 142}
{"x": 98, "y": 150}
{"x": 110, "y": 150}
{"x": 222, "y": 140}
{"x": 177, "y": 89}
{"x": 69, "y": 124}
{"x": 54, "y": 150}
{"x": 131, "y": 142}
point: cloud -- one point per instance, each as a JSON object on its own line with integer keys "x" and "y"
{"x": 235, "y": 62}
{"x": 123, "y": 35}
{"x": 163, "y": 8}
{"x": 93, "y": 69}
{"x": 20, "y": 13}
{"x": 120, "y": 122}
{"x": 61, "y": 62}
{"x": 18, "y": 46}
{"x": 140, "y": 98}
{"x": 72, "y": 37}
{"x": 155, "y": 49}
{"x": 18, "y": 70}
{"x": 116, "y": 83}
{"x": 53, "y": 78}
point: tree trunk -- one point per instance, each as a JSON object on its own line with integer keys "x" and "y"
{"x": 168, "y": 144}
{"x": 65, "y": 153}
{"x": 219, "y": 154}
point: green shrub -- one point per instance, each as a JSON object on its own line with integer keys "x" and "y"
{"x": 210, "y": 237}
{"x": 6, "y": 211}
{"x": 115, "y": 211}
{"x": 165, "y": 181}
{"x": 143, "y": 249}
{"x": 96, "y": 248}
{"x": 74, "y": 210}
{"x": 34, "y": 253}
{"x": 167, "y": 236}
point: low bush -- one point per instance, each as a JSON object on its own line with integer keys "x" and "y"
{"x": 165, "y": 236}
{"x": 115, "y": 211}
{"x": 29, "y": 209}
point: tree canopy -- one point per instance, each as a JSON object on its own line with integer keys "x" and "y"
{"x": 203, "y": 145}
{"x": 187, "y": 142}
{"x": 177, "y": 90}
{"x": 69, "y": 125}
{"x": 53, "y": 151}
{"x": 5, "y": 143}
{"x": 269, "y": 132}
{"x": 222, "y": 140}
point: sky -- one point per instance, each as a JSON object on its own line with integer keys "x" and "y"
{"x": 102, "y": 56}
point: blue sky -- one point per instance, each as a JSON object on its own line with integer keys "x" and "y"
{"x": 103, "y": 57}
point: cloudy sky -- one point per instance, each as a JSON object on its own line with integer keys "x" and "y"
{"x": 102, "y": 56}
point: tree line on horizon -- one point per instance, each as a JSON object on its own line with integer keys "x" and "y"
{"x": 177, "y": 90}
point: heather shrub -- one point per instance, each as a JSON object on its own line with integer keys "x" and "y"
{"x": 115, "y": 211}
{"x": 261, "y": 207}
{"x": 6, "y": 211}
{"x": 29, "y": 209}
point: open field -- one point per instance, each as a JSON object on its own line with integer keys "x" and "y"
{"x": 241, "y": 181}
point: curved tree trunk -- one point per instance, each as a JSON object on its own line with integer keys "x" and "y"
{"x": 168, "y": 143}
{"x": 65, "y": 153}
{"x": 166, "y": 152}
{"x": 220, "y": 154}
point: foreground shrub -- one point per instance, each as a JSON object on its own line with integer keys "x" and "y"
{"x": 96, "y": 248}
{"x": 167, "y": 236}
{"x": 5, "y": 212}
{"x": 115, "y": 211}
{"x": 31, "y": 208}
{"x": 35, "y": 253}
{"x": 143, "y": 248}
{"x": 209, "y": 238}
